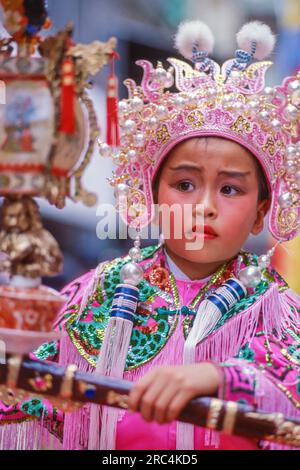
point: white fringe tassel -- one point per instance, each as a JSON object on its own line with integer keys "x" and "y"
{"x": 111, "y": 363}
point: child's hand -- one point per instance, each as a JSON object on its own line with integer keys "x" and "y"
{"x": 164, "y": 392}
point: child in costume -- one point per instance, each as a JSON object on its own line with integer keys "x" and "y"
{"x": 215, "y": 321}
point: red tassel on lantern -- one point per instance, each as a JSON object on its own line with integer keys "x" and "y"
{"x": 67, "y": 106}
{"x": 112, "y": 124}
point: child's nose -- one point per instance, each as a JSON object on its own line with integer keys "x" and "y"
{"x": 208, "y": 204}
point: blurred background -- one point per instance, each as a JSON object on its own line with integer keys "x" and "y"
{"x": 145, "y": 29}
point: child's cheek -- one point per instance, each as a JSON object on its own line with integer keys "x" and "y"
{"x": 237, "y": 218}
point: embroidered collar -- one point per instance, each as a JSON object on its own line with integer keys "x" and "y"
{"x": 177, "y": 272}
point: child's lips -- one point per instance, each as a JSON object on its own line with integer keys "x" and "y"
{"x": 205, "y": 232}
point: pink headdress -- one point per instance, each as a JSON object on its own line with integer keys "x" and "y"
{"x": 230, "y": 102}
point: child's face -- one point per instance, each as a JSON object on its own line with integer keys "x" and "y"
{"x": 222, "y": 176}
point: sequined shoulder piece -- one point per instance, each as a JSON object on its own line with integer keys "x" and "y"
{"x": 87, "y": 332}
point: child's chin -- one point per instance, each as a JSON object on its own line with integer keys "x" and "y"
{"x": 197, "y": 251}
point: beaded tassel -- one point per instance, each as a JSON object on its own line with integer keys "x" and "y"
{"x": 112, "y": 358}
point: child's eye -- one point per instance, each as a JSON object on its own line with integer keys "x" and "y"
{"x": 185, "y": 186}
{"x": 227, "y": 189}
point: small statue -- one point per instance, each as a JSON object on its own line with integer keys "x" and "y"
{"x": 32, "y": 251}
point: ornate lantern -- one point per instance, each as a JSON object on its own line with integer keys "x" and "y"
{"x": 47, "y": 133}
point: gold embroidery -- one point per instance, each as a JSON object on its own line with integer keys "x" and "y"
{"x": 162, "y": 134}
{"x": 270, "y": 144}
{"x": 241, "y": 124}
{"x": 287, "y": 220}
{"x": 195, "y": 118}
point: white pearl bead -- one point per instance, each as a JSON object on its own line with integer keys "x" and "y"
{"x": 135, "y": 254}
{"x": 269, "y": 91}
{"x": 289, "y": 163}
{"x": 250, "y": 276}
{"x": 227, "y": 99}
{"x": 137, "y": 103}
{"x": 276, "y": 124}
{"x": 290, "y": 168}
{"x": 252, "y": 104}
{"x": 263, "y": 261}
{"x": 131, "y": 154}
{"x": 211, "y": 92}
{"x": 294, "y": 85}
{"x": 291, "y": 153}
{"x": 137, "y": 241}
{"x": 161, "y": 111}
{"x": 129, "y": 126}
{"x": 191, "y": 97}
{"x": 297, "y": 145}
{"x": 131, "y": 273}
{"x": 121, "y": 190}
{"x": 140, "y": 140}
{"x": 290, "y": 111}
{"x": 160, "y": 74}
{"x": 179, "y": 101}
{"x": 122, "y": 107}
{"x": 285, "y": 200}
{"x": 153, "y": 122}
{"x": 238, "y": 105}
{"x": 264, "y": 115}
{"x": 104, "y": 149}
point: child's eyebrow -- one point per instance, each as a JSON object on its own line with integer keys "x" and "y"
{"x": 235, "y": 174}
{"x": 232, "y": 173}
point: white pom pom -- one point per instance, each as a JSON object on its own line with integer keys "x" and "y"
{"x": 193, "y": 32}
{"x": 259, "y": 33}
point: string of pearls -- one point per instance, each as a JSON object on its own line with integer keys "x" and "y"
{"x": 131, "y": 273}
{"x": 251, "y": 276}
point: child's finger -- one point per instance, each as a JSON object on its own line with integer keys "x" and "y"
{"x": 163, "y": 402}
{"x": 138, "y": 390}
{"x": 176, "y": 405}
{"x": 150, "y": 398}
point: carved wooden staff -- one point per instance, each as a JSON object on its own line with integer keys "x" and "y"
{"x": 68, "y": 389}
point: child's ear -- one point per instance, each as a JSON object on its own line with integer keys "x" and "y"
{"x": 262, "y": 209}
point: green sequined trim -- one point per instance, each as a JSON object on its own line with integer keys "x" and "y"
{"x": 46, "y": 350}
{"x": 246, "y": 353}
{"x": 145, "y": 346}
{"x": 34, "y": 407}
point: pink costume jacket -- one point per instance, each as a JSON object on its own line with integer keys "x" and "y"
{"x": 256, "y": 346}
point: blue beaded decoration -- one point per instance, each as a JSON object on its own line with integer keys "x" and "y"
{"x": 227, "y": 295}
{"x": 125, "y": 301}
{"x": 242, "y": 59}
{"x": 201, "y": 59}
